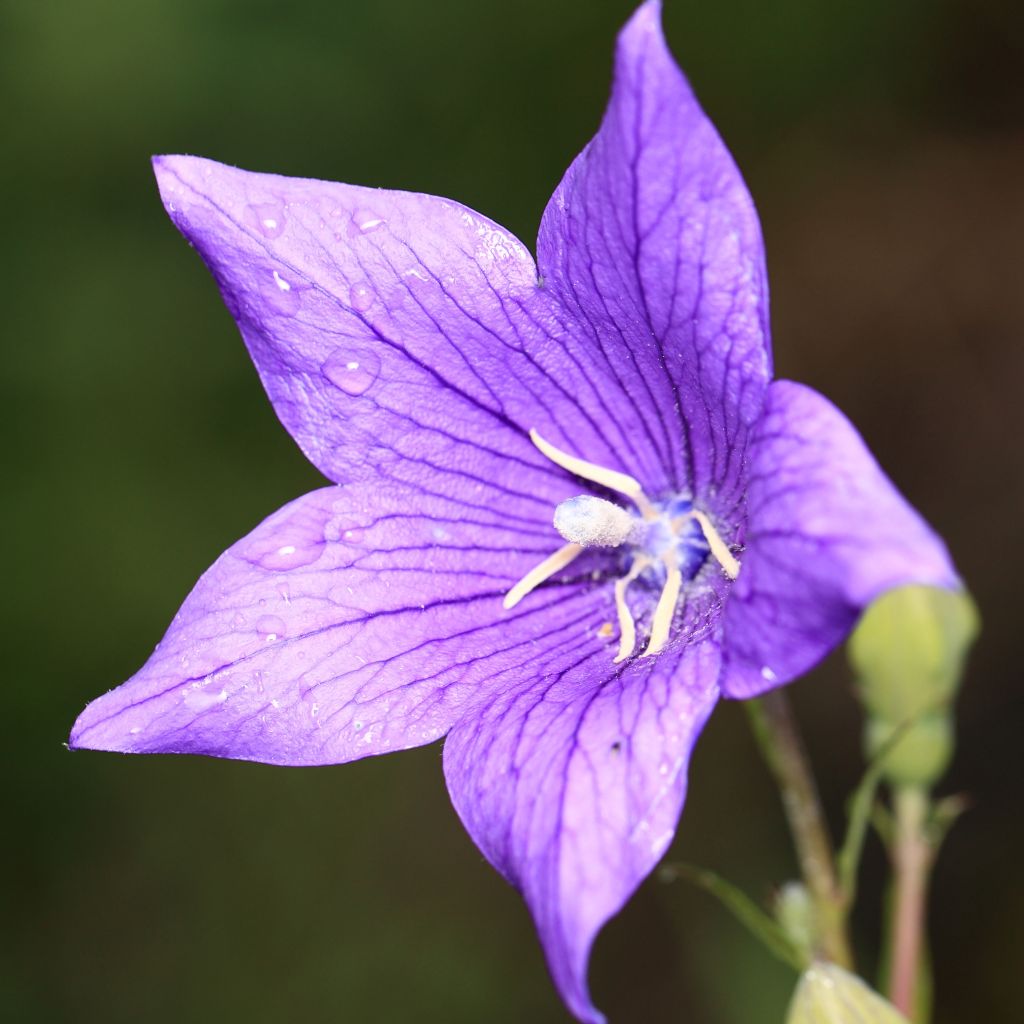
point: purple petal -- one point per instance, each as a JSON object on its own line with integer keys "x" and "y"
{"x": 827, "y": 534}
{"x": 653, "y": 242}
{"x": 572, "y": 788}
{"x": 398, "y": 335}
{"x": 355, "y": 620}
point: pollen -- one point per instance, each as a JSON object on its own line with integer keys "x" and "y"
{"x": 594, "y": 522}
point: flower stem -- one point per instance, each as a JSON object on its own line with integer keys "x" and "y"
{"x": 912, "y": 859}
{"x": 776, "y": 732}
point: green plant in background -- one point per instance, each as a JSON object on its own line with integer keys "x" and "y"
{"x": 909, "y": 652}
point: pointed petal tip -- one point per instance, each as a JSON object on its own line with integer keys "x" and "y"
{"x": 644, "y": 21}
{"x": 86, "y": 736}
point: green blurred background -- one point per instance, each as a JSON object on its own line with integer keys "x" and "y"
{"x": 883, "y": 144}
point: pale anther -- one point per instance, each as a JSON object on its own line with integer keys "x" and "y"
{"x": 540, "y": 573}
{"x": 610, "y": 478}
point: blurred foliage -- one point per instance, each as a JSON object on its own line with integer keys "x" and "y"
{"x": 882, "y": 143}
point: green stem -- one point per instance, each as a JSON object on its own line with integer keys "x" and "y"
{"x": 777, "y": 735}
{"x": 912, "y": 860}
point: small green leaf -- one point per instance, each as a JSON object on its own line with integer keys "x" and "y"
{"x": 827, "y": 994}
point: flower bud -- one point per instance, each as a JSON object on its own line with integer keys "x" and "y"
{"x": 794, "y": 912}
{"x": 908, "y": 651}
{"x": 827, "y": 994}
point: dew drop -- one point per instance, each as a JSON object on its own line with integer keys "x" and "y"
{"x": 267, "y": 218}
{"x": 270, "y": 627}
{"x": 768, "y": 675}
{"x": 200, "y": 700}
{"x": 364, "y": 222}
{"x": 293, "y": 543}
{"x": 283, "y": 295}
{"x": 361, "y": 297}
{"x": 352, "y": 372}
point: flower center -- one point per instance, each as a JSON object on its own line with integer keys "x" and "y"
{"x": 670, "y": 541}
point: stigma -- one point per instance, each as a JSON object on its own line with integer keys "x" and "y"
{"x": 668, "y": 543}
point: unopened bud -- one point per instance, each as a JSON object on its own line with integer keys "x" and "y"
{"x": 908, "y": 651}
{"x": 795, "y": 915}
{"x": 827, "y": 994}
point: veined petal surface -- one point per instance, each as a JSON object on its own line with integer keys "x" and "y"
{"x": 573, "y": 786}
{"x": 827, "y": 534}
{"x": 398, "y": 335}
{"x": 353, "y": 621}
{"x": 653, "y": 244}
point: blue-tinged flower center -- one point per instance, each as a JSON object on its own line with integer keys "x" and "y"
{"x": 668, "y": 542}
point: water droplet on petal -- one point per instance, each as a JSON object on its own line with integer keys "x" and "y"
{"x": 283, "y": 294}
{"x": 767, "y": 674}
{"x": 201, "y": 700}
{"x": 364, "y": 222}
{"x": 361, "y": 297}
{"x": 270, "y": 627}
{"x": 351, "y": 372}
{"x": 267, "y": 218}
{"x": 299, "y": 541}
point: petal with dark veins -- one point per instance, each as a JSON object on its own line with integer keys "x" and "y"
{"x": 828, "y": 533}
{"x": 354, "y": 621}
{"x": 573, "y": 786}
{"x": 653, "y": 244}
{"x": 398, "y": 335}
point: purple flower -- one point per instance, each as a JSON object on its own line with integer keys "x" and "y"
{"x": 569, "y": 510}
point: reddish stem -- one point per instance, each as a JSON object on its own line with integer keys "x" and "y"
{"x": 912, "y": 857}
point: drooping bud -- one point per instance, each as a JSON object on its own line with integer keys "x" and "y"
{"x": 794, "y": 911}
{"x": 908, "y": 652}
{"x": 594, "y": 522}
{"x": 827, "y": 994}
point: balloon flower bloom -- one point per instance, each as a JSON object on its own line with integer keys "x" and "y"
{"x": 568, "y": 507}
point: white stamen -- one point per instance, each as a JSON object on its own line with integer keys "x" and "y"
{"x": 661, "y": 623}
{"x": 595, "y": 523}
{"x": 627, "y": 627}
{"x": 610, "y": 478}
{"x": 722, "y": 554}
{"x": 539, "y": 573}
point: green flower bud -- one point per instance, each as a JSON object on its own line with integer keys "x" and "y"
{"x": 794, "y": 913}
{"x": 827, "y": 994}
{"x": 908, "y": 650}
{"x": 921, "y": 753}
